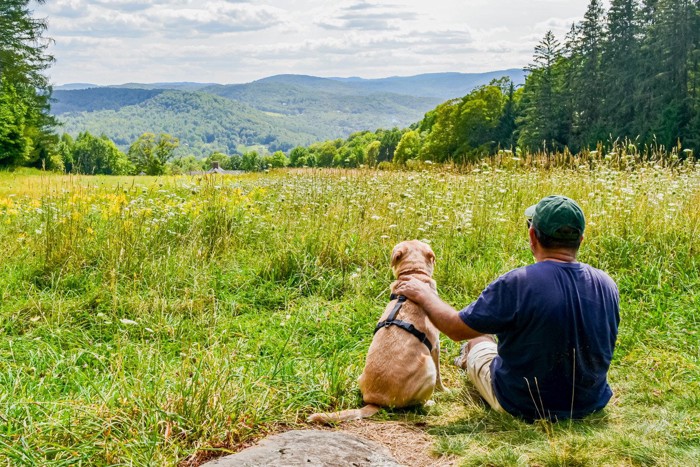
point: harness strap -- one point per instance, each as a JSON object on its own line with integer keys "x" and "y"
{"x": 408, "y": 327}
{"x": 400, "y": 300}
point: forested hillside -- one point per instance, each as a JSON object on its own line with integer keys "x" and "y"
{"x": 275, "y": 113}
{"x": 626, "y": 78}
{"x": 204, "y": 123}
{"x": 94, "y": 99}
{"x": 320, "y": 97}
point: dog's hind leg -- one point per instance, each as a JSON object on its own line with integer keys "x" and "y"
{"x": 436, "y": 359}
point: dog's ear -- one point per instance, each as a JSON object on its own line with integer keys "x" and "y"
{"x": 397, "y": 254}
{"x": 430, "y": 257}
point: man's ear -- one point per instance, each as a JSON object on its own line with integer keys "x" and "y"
{"x": 533, "y": 236}
{"x": 397, "y": 254}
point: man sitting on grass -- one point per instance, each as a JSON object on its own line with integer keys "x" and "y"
{"x": 555, "y": 320}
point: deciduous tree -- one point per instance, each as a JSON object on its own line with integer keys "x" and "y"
{"x": 93, "y": 155}
{"x": 15, "y": 144}
{"x": 149, "y": 153}
{"x": 372, "y": 153}
{"x": 408, "y": 148}
{"x": 299, "y": 157}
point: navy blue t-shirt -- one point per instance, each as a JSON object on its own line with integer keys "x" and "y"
{"x": 556, "y": 325}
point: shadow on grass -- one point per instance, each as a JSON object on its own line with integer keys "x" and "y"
{"x": 492, "y": 422}
{"x": 481, "y": 436}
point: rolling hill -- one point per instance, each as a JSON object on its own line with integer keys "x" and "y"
{"x": 274, "y": 113}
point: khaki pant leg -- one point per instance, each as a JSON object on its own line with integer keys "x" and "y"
{"x": 479, "y": 371}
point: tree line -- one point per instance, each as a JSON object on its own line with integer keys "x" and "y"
{"x": 89, "y": 154}
{"x": 150, "y": 154}
{"x": 630, "y": 73}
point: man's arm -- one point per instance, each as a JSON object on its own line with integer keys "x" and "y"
{"x": 443, "y": 316}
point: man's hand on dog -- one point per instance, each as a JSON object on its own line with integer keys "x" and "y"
{"x": 443, "y": 316}
{"x": 415, "y": 290}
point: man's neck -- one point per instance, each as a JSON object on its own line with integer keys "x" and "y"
{"x": 561, "y": 256}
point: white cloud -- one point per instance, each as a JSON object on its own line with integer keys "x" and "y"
{"x": 559, "y": 26}
{"x": 111, "y": 41}
{"x": 215, "y": 18}
{"x": 369, "y": 17}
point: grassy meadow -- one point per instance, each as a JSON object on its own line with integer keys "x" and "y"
{"x": 157, "y": 321}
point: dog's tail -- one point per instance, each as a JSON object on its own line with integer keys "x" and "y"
{"x": 344, "y": 415}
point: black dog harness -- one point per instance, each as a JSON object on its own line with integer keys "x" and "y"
{"x": 408, "y": 327}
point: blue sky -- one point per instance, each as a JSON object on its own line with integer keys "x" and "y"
{"x": 237, "y": 41}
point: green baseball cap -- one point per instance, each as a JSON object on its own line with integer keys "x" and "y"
{"x": 557, "y": 217}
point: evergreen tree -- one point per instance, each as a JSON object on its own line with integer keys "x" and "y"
{"x": 675, "y": 35}
{"x": 505, "y": 134}
{"x": 619, "y": 67}
{"x": 585, "y": 78}
{"x": 694, "y": 84}
{"x": 23, "y": 60}
{"x": 646, "y": 99}
{"x": 544, "y": 116}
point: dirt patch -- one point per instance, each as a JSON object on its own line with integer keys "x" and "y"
{"x": 409, "y": 445}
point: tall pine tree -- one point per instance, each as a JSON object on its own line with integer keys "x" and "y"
{"x": 694, "y": 83}
{"x": 544, "y": 116}
{"x": 674, "y": 34}
{"x": 619, "y": 68}
{"x": 23, "y": 60}
{"x": 586, "y": 79}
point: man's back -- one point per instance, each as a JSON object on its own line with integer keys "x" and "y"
{"x": 556, "y": 324}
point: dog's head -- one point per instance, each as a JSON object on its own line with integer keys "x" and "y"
{"x": 412, "y": 257}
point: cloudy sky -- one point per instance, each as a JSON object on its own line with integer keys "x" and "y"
{"x": 238, "y": 41}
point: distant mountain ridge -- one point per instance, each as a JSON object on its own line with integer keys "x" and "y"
{"x": 440, "y": 85}
{"x": 273, "y": 113}
{"x": 184, "y": 85}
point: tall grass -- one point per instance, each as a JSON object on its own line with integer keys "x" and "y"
{"x": 150, "y": 321}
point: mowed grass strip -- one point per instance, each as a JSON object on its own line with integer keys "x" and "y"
{"x": 151, "y": 321}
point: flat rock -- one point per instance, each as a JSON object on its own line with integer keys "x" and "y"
{"x": 311, "y": 448}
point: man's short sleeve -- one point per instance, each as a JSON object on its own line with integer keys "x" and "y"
{"x": 496, "y": 308}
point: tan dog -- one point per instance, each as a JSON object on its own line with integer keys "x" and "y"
{"x": 400, "y": 370}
